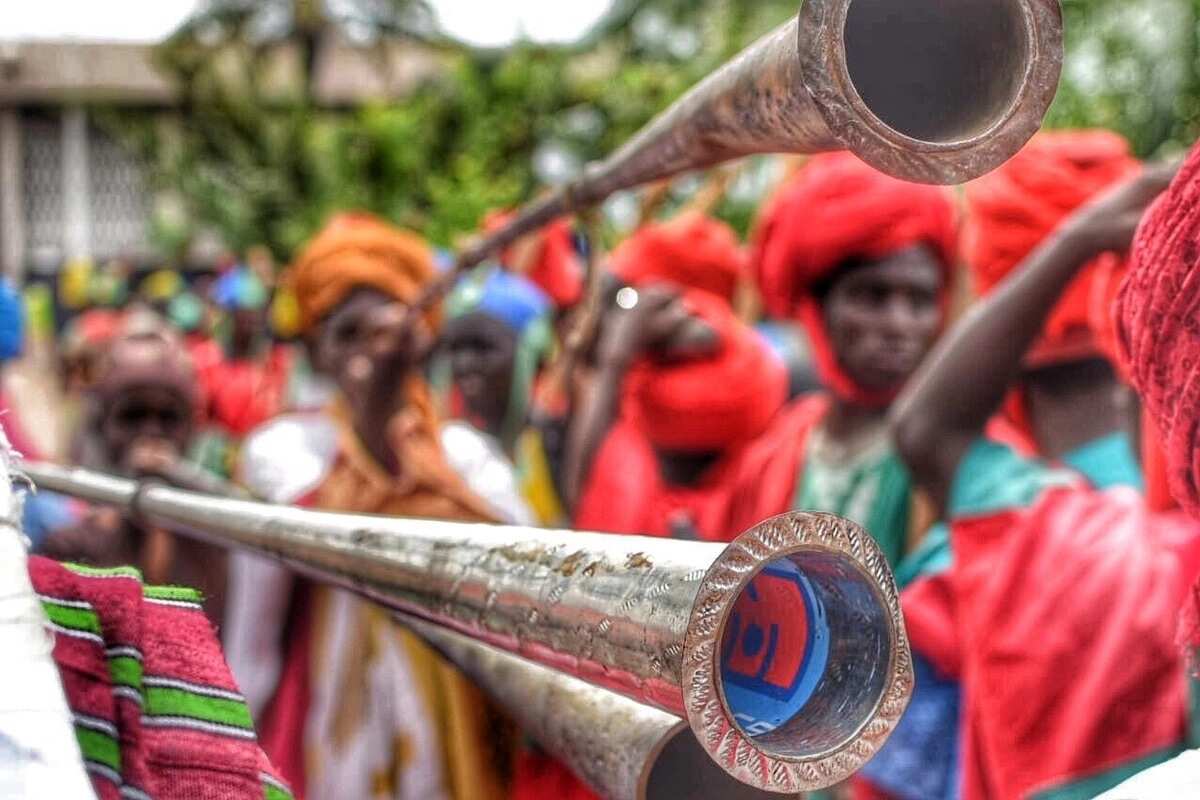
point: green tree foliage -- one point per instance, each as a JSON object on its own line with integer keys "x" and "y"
{"x": 260, "y": 166}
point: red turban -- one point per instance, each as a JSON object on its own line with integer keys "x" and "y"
{"x": 693, "y": 250}
{"x": 710, "y": 404}
{"x": 555, "y": 267}
{"x": 1015, "y": 208}
{"x": 837, "y": 208}
{"x": 1158, "y": 322}
{"x": 1158, "y": 334}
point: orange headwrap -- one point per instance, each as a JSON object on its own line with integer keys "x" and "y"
{"x": 1015, "y": 208}
{"x": 710, "y": 404}
{"x": 837, "y": 208}
{"x": 359, "y": 250}
{"x": 693, "y": 251}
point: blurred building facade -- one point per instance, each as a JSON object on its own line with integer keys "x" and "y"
{"x": 69, "y": 191}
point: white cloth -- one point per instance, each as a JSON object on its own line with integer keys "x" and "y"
{"x": 283, "y": 462}
{"x": 39, "y": 756}
{"x": 1174, "y": 780}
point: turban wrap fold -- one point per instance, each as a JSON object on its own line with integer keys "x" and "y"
{"x": 555, "y": 266}
{"x": 1157, "y": 318}
{"x": 356, "y": 251}
{"x": 1012, "y": 210}
{"x": 715, "y": 402}
{"x": 836, "y": 209}
{"x": 693, "y": 251}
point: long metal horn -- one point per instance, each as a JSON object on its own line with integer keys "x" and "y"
{"x": 927, "y": 90}
{"x": 622, "y": 749}
{"x": 785, "y": 651}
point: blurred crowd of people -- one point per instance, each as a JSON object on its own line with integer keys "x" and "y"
{"x": 944, "y": 368}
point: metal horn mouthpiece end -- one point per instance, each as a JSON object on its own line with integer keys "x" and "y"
{"x": 785, "y": 651}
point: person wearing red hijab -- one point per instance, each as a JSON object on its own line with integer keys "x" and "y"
{"x": 1055, "y": 614}
{"x": 864, "y": 262}
{"x": 681, "y": 387}
{"x": 1067, "y": 404}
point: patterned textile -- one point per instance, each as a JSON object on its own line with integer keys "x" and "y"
{"x": 157, "y": 713}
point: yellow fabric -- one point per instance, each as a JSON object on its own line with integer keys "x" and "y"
{"x": 536, "y": 481}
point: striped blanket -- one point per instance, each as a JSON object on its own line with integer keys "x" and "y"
{"x": 157, "y": 713}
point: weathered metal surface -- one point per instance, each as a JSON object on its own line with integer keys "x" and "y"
{"x": 638, "y": 616}
{"x": 794, "y": 91}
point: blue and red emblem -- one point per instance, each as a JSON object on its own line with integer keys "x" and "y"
{"x": 775, "y": 648}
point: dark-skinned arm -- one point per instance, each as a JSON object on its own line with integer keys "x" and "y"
{"x": 624, "y": 333}
{"x": 963, "y": 381}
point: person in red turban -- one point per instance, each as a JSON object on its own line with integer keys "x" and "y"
{"x": 1053, "y": 612}
{"x": 865, "y": 262}
{"x": 1066, "y": 405}
{"x": 683, "y": 386}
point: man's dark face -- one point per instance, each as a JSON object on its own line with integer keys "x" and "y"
{"x": 883, "y": 316}
{"x": 481, "y": 350}
{"x": 364, "y": 344}
{"x": 146, "y": 417}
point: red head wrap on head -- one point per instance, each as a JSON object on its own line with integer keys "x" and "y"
{"x": 837, "y": 208}
{"x": 710, "y": 404}
{"x": 1158, "y": 327}
{"x": 693, "y": 250}
{"x": 1012, "y": 210}
{"x": 555, "y": 266}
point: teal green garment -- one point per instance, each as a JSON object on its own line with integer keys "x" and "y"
{"x": 991, "y": 477}
{"x": 876, "y": 494}
{"x": 1096, "y": 785}
{"x": 1108, "y": 462}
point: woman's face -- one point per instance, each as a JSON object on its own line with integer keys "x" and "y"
{"x": 481, "y": 351}
{"x": 883, "y": 316}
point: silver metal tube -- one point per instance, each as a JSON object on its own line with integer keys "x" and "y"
{"x": 622, "y": 749}
{"x": 682, "y": 626}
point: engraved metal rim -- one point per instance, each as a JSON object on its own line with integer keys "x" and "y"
{"x": 704, "y": 699}
{"x": 823, "y": 64}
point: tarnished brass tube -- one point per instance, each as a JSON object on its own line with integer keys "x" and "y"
{"x": 785, "y": 650}
{"x": 930, "y": 91}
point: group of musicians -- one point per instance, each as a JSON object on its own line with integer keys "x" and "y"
{"x": 1024, "y": 451}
